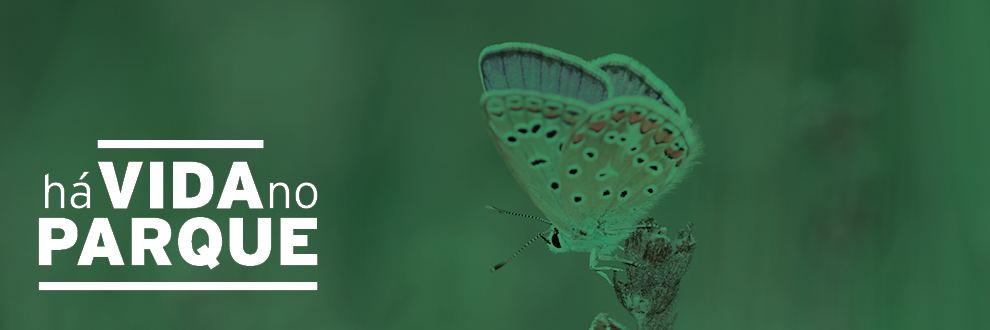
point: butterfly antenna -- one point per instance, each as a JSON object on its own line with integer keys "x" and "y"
{"x": 499, "y": 265}
{"x": 517, "y": 214}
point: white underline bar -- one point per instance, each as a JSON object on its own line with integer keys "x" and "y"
{"x": 176, "y": 286}
{"x": 180, "y": 144}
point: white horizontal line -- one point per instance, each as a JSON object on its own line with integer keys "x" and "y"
{"x": 180, "y": 144}
{"x": 176, "y": 286}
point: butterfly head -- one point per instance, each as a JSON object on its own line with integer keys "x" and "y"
{"x": 556, "y": 242}
{"x": 580, "y": 240}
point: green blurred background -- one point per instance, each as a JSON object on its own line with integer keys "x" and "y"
{"x": 844, "y": 184}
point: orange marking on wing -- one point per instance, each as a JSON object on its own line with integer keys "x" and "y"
{"x": 648, "y": 125}
{"x": 597, "y": 126}
{"x": 679, "y": 163}
{"x": 662, "y": 136}
{"x": 635, "y": 117}
{"x": 551, "y": 114}
{"x": 618, "y": 116}
{"x": 571, "y": 116}
{"x": 578, "y": 138}
{"x": 671, "y": 153}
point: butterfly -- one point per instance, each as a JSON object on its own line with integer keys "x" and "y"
{"x": 594, "y": 144}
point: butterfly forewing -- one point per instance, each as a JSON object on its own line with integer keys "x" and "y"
{"x": 534, "y": 98}
{"x": 617, "y": 162}
{"x": 536, "y": 68}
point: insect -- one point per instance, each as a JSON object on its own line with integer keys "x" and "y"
{"x": 593, "y": 144}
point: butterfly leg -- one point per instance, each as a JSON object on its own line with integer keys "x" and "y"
{"x": 593, "y": 264}
{"x": 645, "y": 225}
{"x": 614, "y": 258}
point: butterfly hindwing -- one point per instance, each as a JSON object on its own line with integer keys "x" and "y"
{"x": 530, "y": 129}
{"x": 628, "y": 151}
{"x": 629, "y": 77}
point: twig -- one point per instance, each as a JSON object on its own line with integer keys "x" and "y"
{"x": 603, "y": 322}
{"x": 653, "y": 279}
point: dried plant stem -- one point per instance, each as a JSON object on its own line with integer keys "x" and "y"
{"x": 654, "y": 279}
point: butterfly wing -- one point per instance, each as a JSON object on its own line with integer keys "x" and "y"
{"x": 523, "y": 66}
{"x": 534, "y": 98}
{"x": 629, "y": 77}
{"x": 617, "y": 163}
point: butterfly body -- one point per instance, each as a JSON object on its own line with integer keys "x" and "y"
{"x": 594, "y": 144}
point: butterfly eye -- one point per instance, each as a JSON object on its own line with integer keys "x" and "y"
{"x": 555, "y": 239}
